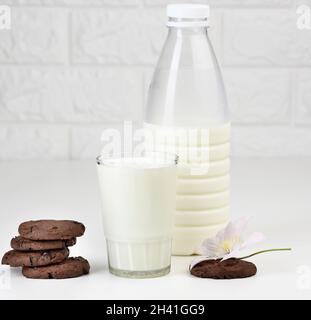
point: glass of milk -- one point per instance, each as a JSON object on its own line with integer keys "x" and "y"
{"x": 138, "y": 199}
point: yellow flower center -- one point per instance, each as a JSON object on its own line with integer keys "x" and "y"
{"x": 228, "y": 244}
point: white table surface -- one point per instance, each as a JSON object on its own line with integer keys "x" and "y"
{"x": 275, "y": 192}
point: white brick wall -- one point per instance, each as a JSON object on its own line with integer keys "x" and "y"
{"x": 30, "y": 142}
{"x": 278, "y": 42}
{"x": 69, "y": 95}
{"x": 37, "y": 36}
{"x": 70, "y": 68}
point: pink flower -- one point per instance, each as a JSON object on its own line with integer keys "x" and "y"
{"x": 228, "y": 242}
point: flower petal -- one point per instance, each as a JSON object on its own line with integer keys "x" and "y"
{"x": 233, "y": 229}
{"x": 227, "y": 232}
{"x": 240, "y": 225}
{"x": 253, "y": 239}
{"x": 221, "y": 234}
{"x": 209, "y": 247}
{"x": 197, "y": 261}
{"x": 232, "y": 254}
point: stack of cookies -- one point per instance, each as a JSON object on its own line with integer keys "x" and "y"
{"x": 41, "y": 249}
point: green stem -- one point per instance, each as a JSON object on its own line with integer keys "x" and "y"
{"x": 264, "y": 251}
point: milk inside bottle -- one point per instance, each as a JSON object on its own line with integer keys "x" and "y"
{"x": 187, "y": 113}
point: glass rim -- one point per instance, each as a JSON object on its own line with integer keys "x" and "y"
{"x": 171, "y": 159}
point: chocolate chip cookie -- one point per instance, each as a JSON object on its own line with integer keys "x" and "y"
{"x": 23, "y": 244}
{"x": 70, "y": 268}
{"x": 51, "y": 229}
{"x": 228, "y": 269}
{"x": 15, "y": 258}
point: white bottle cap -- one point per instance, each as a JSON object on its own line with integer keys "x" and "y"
{"x": 195, "y": 11}
{"x": 188, "y": 11}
